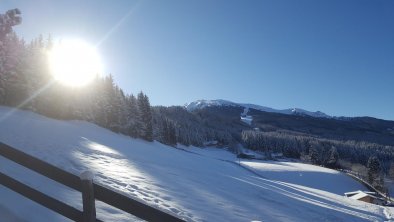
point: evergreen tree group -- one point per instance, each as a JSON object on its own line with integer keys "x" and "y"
{"x": 375, "y": 175}
{"x": 26, "y": 83}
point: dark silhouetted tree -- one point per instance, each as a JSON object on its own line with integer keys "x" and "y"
{"x": 146, "y": 116}
{"x": 314, "y": 155}
{"x": 333, "y": 157}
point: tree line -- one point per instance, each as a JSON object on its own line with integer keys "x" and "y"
{"x": 26, "y": 83}
{"x": 376, "y": 159}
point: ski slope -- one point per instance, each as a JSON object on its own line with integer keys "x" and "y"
{"x": 195, "y": 184}
{"x": 245, "y": 118}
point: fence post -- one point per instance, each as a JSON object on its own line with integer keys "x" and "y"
{"x": 89, "y": 208}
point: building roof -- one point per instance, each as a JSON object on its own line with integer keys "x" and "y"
{"x": 360, "y": 195}
{"x": 356, "y": 195}
{"x": 358, "y": 191}
{"x": 349, "y": 194}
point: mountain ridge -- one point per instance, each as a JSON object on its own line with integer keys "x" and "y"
{"x": 200, "y": 104}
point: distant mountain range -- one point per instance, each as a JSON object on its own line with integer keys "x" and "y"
{"x": 200, "y": 104}
{"x": 229, "y": 117}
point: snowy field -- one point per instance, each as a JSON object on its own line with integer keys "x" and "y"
{"x": 195, "y": 184}
{"x": 390, "y": 185}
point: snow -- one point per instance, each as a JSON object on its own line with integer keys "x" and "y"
{"x": 360, "y": 195}
{"x": 292, "y": 111}
{"x": 349, "y": 194}
{"x": 195, "y": 184}
{"x": 211, "y": 152}
{"x": 306, "y": 175}
{"x": 200, "y": 104}
{"x": 245, "y": 118}
{"x": 86, "y": 175}
{"x": 389, "y": 182}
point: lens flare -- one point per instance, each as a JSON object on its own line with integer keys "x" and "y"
{"x": 74, "y": 62}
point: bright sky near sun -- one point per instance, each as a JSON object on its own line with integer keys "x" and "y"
{"x": 335, "y": 56}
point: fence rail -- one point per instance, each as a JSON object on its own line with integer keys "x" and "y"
{"x": 357, "y": 177}
{"x": 95, "y": 192}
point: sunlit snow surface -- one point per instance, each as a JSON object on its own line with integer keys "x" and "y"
{"x": 195, "y": 184}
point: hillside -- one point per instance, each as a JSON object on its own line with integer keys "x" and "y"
{"x": 298, "y": 120}
{"x": 355, "y": 139}
{"x": 195, "y": 184}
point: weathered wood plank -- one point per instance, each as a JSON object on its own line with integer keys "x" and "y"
{"x": 40, "y": 167}
{"x": 41, "y": 198}
{"x": 132, "y": 206}
{"x": 101, "y": 193}
{"x": 89, "y": 207}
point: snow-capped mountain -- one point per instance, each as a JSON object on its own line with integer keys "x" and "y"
{"x": 200, "y": 104}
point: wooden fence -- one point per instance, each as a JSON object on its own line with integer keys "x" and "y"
{"x": 357, "y": 177}
{"x": 90, "y": 191}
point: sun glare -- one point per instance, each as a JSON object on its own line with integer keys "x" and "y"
{"x": 74, "y": 62}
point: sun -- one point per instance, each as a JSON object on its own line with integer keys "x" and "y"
{"x": 74, "y": 62}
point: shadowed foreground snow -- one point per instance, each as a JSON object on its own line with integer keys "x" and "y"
{"x": 197, "y": 184}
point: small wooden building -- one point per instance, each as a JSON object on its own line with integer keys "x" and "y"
{"x": 369, "y": 197}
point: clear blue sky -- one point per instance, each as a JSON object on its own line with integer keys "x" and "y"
{"x": 336, "y": 56}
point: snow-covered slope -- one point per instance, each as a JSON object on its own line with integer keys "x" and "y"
{"x": 196, "y": 184}
{"x": 315, "y": 177}
{"x": 199, "y": 104}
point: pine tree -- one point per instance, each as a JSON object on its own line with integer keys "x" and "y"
{"x": 313, "y": 155}
{"x": 167, "y": 132}
{"x": 333, "y": 157}
{"x": 172, "y": 134}
{"x": 106, "y": 113}
{"x": 374, "y": 170}
{"x": 115, "y": 115}
{"x": 134, "y": 123}
{"x": 15, "y": 89}
{"x": 146, "y": 117}
{"x": 7, "y": 21}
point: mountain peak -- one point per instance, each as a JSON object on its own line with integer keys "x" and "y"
{"x": 200, "y": 104}
{"x": 203, "y": 103}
